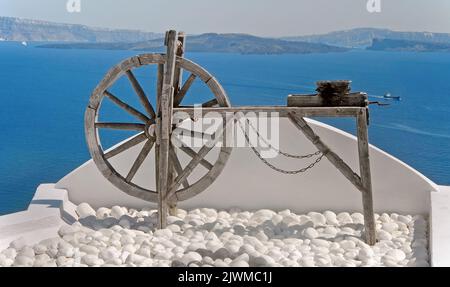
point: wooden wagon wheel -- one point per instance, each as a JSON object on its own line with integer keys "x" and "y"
{"x": 146, "y": 126}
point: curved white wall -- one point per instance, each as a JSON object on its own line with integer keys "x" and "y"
{"x": 248, "y": 183}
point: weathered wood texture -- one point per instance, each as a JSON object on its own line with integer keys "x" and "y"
{"x": 132, "y": 111}
{"x": 165, "y": 130}
{"x": 348, "y": 100}
{"x": 182, "y": 92}
{"x": 364, "y": 167}
{"x": 174, "y": 164}
{"x": 334, "y": 159}
{"x": 141, "y": 94}
{"x": 281, "y": 111}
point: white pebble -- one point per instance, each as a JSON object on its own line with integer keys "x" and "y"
{"x": 317, "y": 218}
{"x": 18, "y": 243}
{"x": 310, "y": 233}
{"x": 396, "y": 254}
{"x": 389, "y": 226}
{"x": 331, "y": 217}
{"x": 23, "y": 261}
{"x": 84, "y": 210}
{"x": 117, "y": 212}
{"x": 102, "y": 212}
{"x": 239, "y": 263}
{"x": 166, "y": 233}
{"x": 191, "y": 257}
{"x": 384, "y": 235}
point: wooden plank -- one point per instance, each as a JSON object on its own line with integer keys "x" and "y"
{"x": 121, "y": 126}
{"x": 281, "y": 110}
{"x": 178, "y": 73}
{"x": 349, "y": 100}
{"x": 132, "y": 111}
{"x": 166, "y": 105}
{"x": 159, "y": 83}
{"x": 178, "y": 78}
{"x": 177, "y": 165}
{"x": 141, "y": 94}
{"x": 364, "y": 166}
{"x": 139, "y": 160}
{"x": 182, "y": 92}
{"x": 334, "y": 159}
{"x": 210, "y": 103}
{"x": 195, "y": 161}
{"x": 126, "y": 145}
{"x": 190, "y": 152}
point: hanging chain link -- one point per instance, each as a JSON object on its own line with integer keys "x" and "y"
{"x": 258, "y": 154}
{"x": 277, "y": 150}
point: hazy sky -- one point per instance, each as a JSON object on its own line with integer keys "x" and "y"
{"x": 259, "y": 17}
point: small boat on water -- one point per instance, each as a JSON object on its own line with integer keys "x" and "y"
{"x": 24, "y": 43}
{"x": 391, "y": 97}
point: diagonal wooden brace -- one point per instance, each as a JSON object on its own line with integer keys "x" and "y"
{"x": 346, "y": 170}
{"x": 363, "y": 182}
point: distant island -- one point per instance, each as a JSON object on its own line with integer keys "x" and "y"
{"x": 363, "y": 37}
{"x": 73, "y": 36}
{"x": 17, "y": 29}
{"x": 217, "y": 43}
{"x": 407, "y": 46}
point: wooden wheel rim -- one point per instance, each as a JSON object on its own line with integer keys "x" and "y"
{"x": 98, "y": 154}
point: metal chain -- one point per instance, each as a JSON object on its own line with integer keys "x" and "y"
{"x": 277, "y": 150}
{"x": 258, "y": 154}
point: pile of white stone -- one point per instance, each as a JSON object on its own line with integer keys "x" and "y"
{"x": 207, "y": 237}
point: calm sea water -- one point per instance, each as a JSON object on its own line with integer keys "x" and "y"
{"x": 44, "y": 93}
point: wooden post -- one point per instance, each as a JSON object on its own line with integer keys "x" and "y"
{"x": 165, "y": 127}
{"x": 177, "y": 80}
{"x": 364, "y": 166}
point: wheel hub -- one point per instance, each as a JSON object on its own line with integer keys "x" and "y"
{"x": 150, "y": 131}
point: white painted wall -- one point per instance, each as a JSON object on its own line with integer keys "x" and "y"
{"x": 248, "y": 183}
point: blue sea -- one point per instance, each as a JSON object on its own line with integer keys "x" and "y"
{"x": 44, "y": 93}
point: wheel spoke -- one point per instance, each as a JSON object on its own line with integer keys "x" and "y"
{"x": 177, "y": 165}
{"x": 139, "y": 160}
{"x": 196, "y": 160}
{"x": 180, "y": 95}
{"x": 141, "y": 94}
{"x": 210, "y": 103}
{"x": 190, "y": 152}
{"x": 120, "y": 126}
{"x": 189, "y": 169}
{"x": 126, "y": 145}
{"x": 126, "y": 107}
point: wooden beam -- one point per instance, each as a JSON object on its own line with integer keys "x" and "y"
{"x": 364, "y": 167}
{"x": 177, "y": 165}
{"x": 348, "y": 100}
{"x": 166, "y": 106}
{"x": 159, "y": 84}
{"x": 190, "y": 152}
{"x": 195, "y": 161}
{"x": 281, "y": 110}
{"x": 303, "y": 126}
{"x": 210, "y": 103}
{"x": 177, "y": 80}
{"x": 178, "y": 73}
